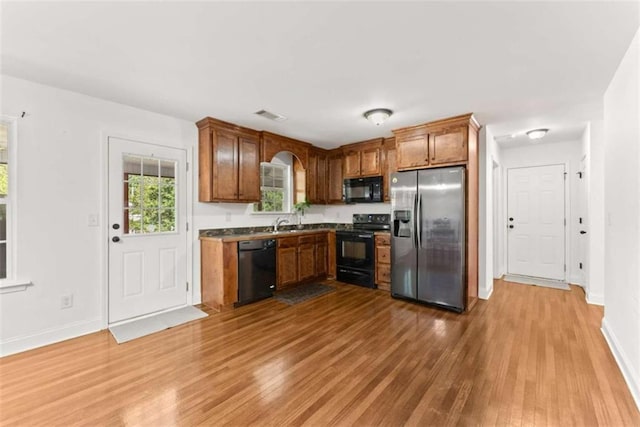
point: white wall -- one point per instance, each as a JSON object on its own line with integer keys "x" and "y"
{"x": 593, "y": 150}
{"x": 489, "y": 153}
{"x": 60, "y": 162}
{"x": 569, "y": 153}
{"x": 621, "y": 324}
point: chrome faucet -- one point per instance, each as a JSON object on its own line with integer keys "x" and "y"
{"x": 278, "y": 222}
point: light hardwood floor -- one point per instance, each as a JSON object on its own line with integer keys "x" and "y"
{"x": 528, "y": 356}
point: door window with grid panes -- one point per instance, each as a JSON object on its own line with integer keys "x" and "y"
{"x": 150, "y": 195}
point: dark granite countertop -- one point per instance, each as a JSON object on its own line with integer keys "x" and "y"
{"x": 242, "y": 233}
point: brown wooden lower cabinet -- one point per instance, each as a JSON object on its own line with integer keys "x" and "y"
{"x": 383, "y": 261}
{"x": 287, "y": 259}
{"x": 306, "y": 258}
{"x": 321, "y": 255}
{"x": 301, "y": 259}
{"x": 219, "y": 273}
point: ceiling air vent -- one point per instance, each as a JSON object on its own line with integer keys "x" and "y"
{"x": 271, "y": 116}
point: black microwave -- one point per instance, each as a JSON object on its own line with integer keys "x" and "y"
{"x": 363, "y": 190}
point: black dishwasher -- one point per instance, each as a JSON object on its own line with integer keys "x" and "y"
{"x": 256, "y": 270}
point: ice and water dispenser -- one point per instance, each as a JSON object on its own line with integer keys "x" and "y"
{"x": 402, "y": 223}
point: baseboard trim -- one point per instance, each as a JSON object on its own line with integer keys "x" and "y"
{"x": 594, "y": 299}
{"x": 50, "y": 336}
{"x": 485, "y": 294}
{"x": 633, "y": 382}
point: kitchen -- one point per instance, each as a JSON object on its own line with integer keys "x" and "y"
{"x": 364, "y": 173}
{"x": 82, "y": 82}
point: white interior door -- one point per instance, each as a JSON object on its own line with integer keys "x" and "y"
{"x": 536, "y": 221}
{"x": 147, "y": 229}
{"x": 582, "y": 224}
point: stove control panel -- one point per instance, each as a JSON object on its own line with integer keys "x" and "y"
{"x": 380, "y": 219}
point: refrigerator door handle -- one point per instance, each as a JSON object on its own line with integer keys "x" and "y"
{"x": 415, "y": 222}
{"x": 419, "y": 222}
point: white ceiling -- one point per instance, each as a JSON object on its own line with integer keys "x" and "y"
{"x": 323, "y": 64}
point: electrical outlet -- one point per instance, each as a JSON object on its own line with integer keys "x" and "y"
{"x": 66, "y": 301}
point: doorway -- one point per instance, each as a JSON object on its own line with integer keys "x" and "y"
{"x": 536, "y": 222}
{"x": 147, "y": 210}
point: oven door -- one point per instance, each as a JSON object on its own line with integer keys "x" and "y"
{"x": 355, "y": 249}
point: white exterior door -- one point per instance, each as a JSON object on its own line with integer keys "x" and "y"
{"x": 536, "y": 222}
{"x": 147, "y": 228}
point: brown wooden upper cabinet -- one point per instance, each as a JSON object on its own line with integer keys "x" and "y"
{"x": 229, "y": 162}
{"x": 436, "y": 143}
{"x": 412, "y": 147}
{"x": 335, "y": 176}
{"x": 389, "y": 165}
{"x": 448, "y": 145}
{"x": 316, "y": 182}
{"x": 363, "y": 158}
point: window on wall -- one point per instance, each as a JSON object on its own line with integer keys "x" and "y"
{"x": 4, "y": 198}
{"x": 275, "y": 188}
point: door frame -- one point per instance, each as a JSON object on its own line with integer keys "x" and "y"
{"x": 567, "y": 212}
{"x": 104, "y": 215}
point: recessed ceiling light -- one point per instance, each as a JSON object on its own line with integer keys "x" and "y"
{"x": 377, "y": 116}
{"x": 271, "y": 116}
{"x": 537, "y": 133}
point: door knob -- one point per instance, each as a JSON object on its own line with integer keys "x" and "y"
{"x": 510, "y": 219}
{"x": 510, "y": 226}
{"x": 583, "y": 232}
{"x": 115, "y": 239}
{"x": 116, "y": 226}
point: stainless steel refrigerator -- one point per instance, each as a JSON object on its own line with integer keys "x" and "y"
{"x": 428, "y": 236}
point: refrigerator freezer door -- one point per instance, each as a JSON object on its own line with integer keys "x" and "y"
{"x": 403, "y": 236}
{"x": 441, "y": 253}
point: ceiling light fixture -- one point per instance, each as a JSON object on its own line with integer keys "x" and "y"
{"x": 537, "y": 133}
{"x": 377, "y": 116}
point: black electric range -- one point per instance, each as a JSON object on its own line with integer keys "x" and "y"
{"x": 355, "y": 249}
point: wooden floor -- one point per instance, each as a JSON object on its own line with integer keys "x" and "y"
{"x": 528, "y": 356}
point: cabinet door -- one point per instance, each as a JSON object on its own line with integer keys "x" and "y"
{"x": 321, "y": 259}
{"x": 225, "y": 166}
{"x": 312, "y": 178}
{"x": 306, "y": 261}
{"x": 370, "y": 162}
{"x": 412, "y": 150}
{"x": 389, "y": 169}
{"x": 321, "y": 179}
{"x": 287, "y": 267}
{"x": 352, "y": 164}
{"x": 335, "y": 180}
{"x": 248, "y": 169}
{"x": 448, "y": 145}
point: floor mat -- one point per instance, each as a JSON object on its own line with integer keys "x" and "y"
{"x": 537, "y": 281}
{"x": 302, "y": 293}
{"x": 159, "y": 322}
